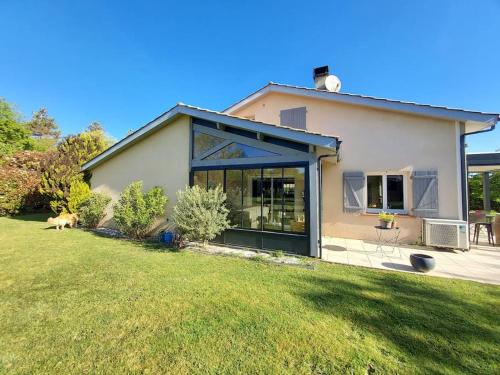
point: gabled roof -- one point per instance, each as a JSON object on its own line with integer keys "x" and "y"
{"x": 474, "y": 120}
{"x": 284, "y": 132}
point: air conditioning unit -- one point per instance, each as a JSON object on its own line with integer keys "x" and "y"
{"x": 452, "y": 234}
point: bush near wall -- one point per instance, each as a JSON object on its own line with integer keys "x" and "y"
{"x": 200, "y": 215}
{"x": 93, "y": 209}
{"x": 136, "y": 211}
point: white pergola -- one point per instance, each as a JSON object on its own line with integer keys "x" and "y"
{"x": 484, "y": 163}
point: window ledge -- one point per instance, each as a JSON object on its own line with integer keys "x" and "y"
{"x": 406, "y": 215}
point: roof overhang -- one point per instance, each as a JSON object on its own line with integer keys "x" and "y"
{"x": 296, "y": 135}
{"x": 483, "y": 162}
{"x": 474, "y": 121}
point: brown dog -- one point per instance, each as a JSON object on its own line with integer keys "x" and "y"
{"x": 62, "y": 220}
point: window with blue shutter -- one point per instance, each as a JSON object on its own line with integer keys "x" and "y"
{"x": 425, "y": 193}
{"x": 354, "y": 186}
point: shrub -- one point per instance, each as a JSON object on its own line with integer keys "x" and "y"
{"x": 135, "y": 212}
{"x": 201, "y": 214}
{"x": 65, "y": 165}
{"x": 79, "y": 191}
{"x": 19, "y": 182}
{"x": 93, "y": 209}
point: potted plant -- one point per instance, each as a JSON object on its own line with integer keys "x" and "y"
{"x": 394, "y": 221}
{"x": 385, "y": 219}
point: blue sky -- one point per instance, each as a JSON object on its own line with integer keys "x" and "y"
{"x": 124, "y": 62}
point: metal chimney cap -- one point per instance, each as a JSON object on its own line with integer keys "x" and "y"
{"x": 321, "y": 71}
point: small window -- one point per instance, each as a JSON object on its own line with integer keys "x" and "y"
{"x": 386, "y": 192}
{"x": 204, "y": 142}
{"x": 237, "y": 151}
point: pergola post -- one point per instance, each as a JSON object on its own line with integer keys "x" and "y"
{"x": 486, "y": 191}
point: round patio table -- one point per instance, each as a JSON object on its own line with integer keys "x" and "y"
{"x": 387, "y": 237}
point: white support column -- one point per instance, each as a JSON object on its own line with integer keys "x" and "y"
{"x": 313, "y": 207}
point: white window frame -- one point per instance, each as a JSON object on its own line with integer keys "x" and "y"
{"x": 384, "y": 193}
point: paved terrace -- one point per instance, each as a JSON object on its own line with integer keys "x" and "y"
{"x": 481, "y": 263}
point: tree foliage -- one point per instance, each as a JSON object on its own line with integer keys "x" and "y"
{"x": 20, "y": 178}
{"x": 476, "y": 191}
{"x": 13, "y": 134}
{"x": 64, "y": 167}
{"x": 200, "y": 214}
{"x": 93, "y": 209}
{"x": 43, "y": 129}
{"x": 79, "y": 191}
{"x": 42, "y": 125}
{"x": 136, "y": 211}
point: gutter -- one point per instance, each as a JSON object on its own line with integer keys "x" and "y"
{"x": 320, "y": 195}
{"x": 464, "y": 169}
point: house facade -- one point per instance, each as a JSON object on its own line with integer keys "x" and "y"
{"x": 298, "y": 164}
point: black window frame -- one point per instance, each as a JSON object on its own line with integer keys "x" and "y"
{"x": 262, "y": 167}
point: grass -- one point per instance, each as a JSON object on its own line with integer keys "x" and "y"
{"x": 73, "y": 302}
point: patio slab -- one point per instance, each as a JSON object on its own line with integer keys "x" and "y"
{"x": 481, "y": 263}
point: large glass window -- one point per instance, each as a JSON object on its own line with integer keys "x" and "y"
{"x": 272, "y": 198}
{"x": 385, "y": 192}
{"x": 294, "y": 215}
{"x": 215, "y": 177}
{"x": 203, "y": 142}
{"x": 239, "y": 150}
{"x": 251, "y": 188}
{"x": 234, "y": 196}
{"x": 200, "y": 179}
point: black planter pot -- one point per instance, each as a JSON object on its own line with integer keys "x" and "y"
{"x": 422, "y": 262}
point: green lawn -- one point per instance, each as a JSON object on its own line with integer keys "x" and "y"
{"x": 73, "y": 302}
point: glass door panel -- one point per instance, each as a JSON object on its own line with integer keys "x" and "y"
{"x": 234, "y": 196}
{"x": 252, "y": 198}
{"x": 294, "y": 215}
{"x": 272, "y": 199}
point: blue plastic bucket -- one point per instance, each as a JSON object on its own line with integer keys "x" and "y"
{"x": 167, "y": 238}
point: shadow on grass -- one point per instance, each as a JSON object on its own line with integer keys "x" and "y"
{"x": 147, "y": 245}
{"x": 39, "y": 217}
{"x": 438, "y": 328}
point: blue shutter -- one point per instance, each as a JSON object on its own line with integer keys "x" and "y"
{"x": 354, "y": 188}
{"x": 425, "y": 193}
{"x": 294, "y": 118}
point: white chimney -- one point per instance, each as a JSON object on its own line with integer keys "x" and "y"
{"x": 323, "y": 80}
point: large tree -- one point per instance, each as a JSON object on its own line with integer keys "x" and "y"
{"x": 13, "y": 134}
{"x": 63, "y": 169}
{"x": 44, "y": 130}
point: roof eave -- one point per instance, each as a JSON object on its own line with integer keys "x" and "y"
{"x": 329, "y": 142}
{"x": 392, "y": 105}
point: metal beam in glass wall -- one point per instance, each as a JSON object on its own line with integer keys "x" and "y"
{"x": 270, "y": 200}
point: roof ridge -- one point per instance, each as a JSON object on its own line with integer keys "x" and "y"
{"x": 384, "y": 99}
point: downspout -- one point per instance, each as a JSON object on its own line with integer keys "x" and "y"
{"x": 320, "y": 195}
{"x": 464, "y": 168}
